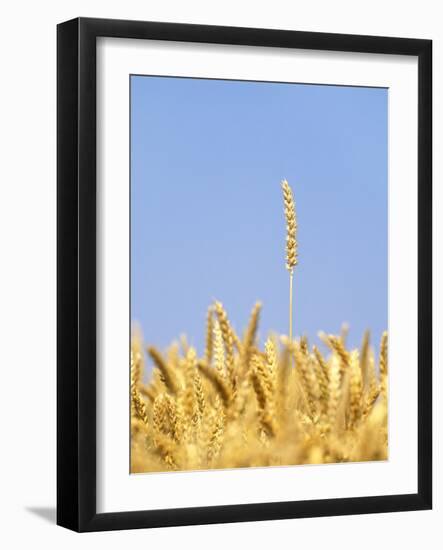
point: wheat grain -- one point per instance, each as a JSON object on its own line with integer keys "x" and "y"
{"x": 383, "y": 363}
{"x": 355, "y": 388}
{"x": 209, "y": 335}
{"x": 217, "y": 381}
{"x": 166, "y": 373}
{"x": 291, "y": 226}
{"x": 219, "y": 351}
{"x": 227, "y": 340}
{"x": 159, "y": 414}
{"x": 250, "y": 335}
{"x": 139, "y": 407}
{"x": 334, "y": 390}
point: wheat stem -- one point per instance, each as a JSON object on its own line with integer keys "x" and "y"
{"x": 291, "y": 278}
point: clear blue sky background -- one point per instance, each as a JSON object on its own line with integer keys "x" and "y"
{"x": 207, "y": 220}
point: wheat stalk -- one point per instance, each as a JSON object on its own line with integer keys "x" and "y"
{"x": 209, "y": 336}
{"x": 250, "y": 334}
{"x": 218, "y": 349}
{"x": 217, "y": 381}
{"x": 139, "y": 407}
{"x": 291, "y": 242}
{"x": 271, "y": 356}
{"x": 166, "y": 373}
{"x": 383, "y": 363}
{"x": 228, "y": 340}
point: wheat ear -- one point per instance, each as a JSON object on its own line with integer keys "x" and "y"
{"x": 217, "y": 381}
{"x": 250, "y": 335}
{"x": 209, "y": 336}
{"x": 383, "y": 363}
{"x": 228, "y": 339}
{"x": 291, "y": 242}
{"x": 166, "y": 374}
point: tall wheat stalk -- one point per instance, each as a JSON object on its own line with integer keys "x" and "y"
{"x": 291, "y": 243}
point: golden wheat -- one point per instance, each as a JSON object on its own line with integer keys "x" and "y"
{"x": 291, "y": 242}
{"x": 228, "y": 340}
{"x": 291, "y": 226}
{"x": 293, "y": 404}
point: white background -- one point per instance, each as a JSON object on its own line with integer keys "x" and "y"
{"x": 27, "y": 276}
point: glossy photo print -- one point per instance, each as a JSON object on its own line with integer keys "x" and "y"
{"x": 259, "y": 274}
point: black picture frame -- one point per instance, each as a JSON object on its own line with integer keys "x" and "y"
{"x": 76, "y": 274}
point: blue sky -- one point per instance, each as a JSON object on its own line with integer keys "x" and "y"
{"x": 207, "y": 222}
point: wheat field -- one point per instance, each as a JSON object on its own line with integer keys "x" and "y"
{"x": 238, "y": 406}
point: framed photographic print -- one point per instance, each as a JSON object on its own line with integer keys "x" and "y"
{"x": 244, "y": 274}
